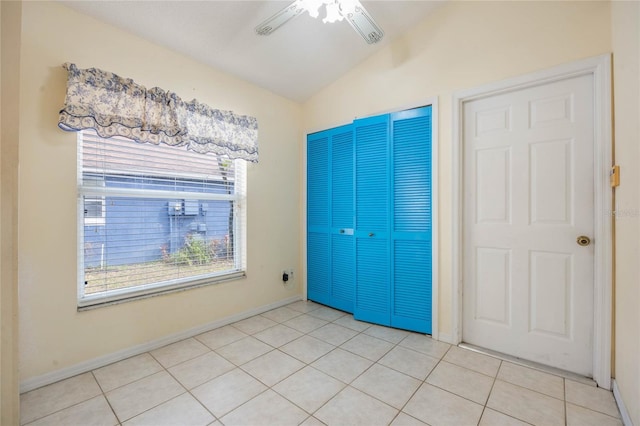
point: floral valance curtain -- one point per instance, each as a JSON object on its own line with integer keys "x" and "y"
{"x": 116, "y": 106}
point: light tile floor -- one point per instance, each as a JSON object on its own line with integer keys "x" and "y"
{"x": 312, "y": 365}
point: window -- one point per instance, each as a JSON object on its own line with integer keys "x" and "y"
{"x": 94, "y": 207}
{"x": 155, "y": 219}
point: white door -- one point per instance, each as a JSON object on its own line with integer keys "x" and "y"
{"x": 528, "y": 195}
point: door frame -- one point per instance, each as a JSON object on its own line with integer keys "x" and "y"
{"x": 435, "y": 223}
{"x": 600, "y": 68}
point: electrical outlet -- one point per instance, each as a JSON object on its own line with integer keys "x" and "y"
{"x": 288, "y": 274}
{"x": 287, "y": 277}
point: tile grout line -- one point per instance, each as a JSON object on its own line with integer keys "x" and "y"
{"x": 493, "y": 383}
{"x": 346, "y": 385}
{"x": 422, "y": 382}
{"x": 364, "y": 332}
{"x": 533, "y": 390}
{"x": 494, "y": 378}
{"x": 104, "y": 395}
{"x": 187, "y": 390}
{"x": 162, "y": 368}
{"x": 283, "y": 379}
{"x": 166, "y": 370}
{"x": 72, "y": 405}
{"x": 349, "y": 384}
{"x": 564, "y": 394}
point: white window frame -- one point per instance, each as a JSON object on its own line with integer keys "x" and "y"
{"x": 110, "y": 297}
{"x": 96, "y": 220}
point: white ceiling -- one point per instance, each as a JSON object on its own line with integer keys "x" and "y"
{"x": 296, "y": 61}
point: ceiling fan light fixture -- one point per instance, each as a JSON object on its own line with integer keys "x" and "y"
{"x": 280, "y": 18}
{"x": 336, "y": 10}
{"x": 364, "y": 24}
{"x": 348, "y": 6}
{"x": 334, "y": 13}
{"x": 311, "y": 6}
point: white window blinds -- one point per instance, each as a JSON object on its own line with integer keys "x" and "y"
{"x": 155, "y": 218}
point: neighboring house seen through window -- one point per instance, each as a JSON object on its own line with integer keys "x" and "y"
{"x": 155, "y": 219}
{"x": 94, "y": 207}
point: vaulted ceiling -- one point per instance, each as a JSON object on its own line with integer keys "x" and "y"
{"x": 296, "y": 61}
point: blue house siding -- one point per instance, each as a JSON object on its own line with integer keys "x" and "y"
{"x": 127, "y": 220}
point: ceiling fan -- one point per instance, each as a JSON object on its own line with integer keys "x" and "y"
{"x": 337, "y": 10}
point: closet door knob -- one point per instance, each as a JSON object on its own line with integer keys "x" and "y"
{"x": 371, "y": 234}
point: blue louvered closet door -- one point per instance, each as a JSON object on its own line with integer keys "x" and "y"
{"x": 411, "y": 219}
{"x": 369, "y": 219}
{"x": 330, "y": 276}
{"x": 373, "y": 278}
{"x": 393, "y": 219}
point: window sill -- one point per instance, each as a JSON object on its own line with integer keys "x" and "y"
{"x": 128, "y": 295}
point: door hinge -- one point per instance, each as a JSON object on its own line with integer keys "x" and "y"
{"x": 614, "y": 176}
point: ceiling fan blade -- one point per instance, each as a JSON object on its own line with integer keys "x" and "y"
{"x": 363, "y": 23}
{"x": 276, "y": 21}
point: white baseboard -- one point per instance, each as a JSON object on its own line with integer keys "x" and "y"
{"x": 626, "y": 419}
{"x": 92, "y": 364}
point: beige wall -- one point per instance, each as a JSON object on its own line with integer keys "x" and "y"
{"x": 9, "y": 119}
{"x": 461, "y": 45}
{"x": 53, "y": 335}
{"x": 625, "y": 18}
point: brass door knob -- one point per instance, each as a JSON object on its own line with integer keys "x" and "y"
{"x": 583, "y": 240}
